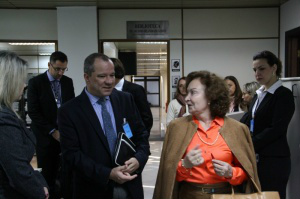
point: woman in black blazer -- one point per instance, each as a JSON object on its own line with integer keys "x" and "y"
{"x": 268, "y": 118}
{"x": 18, "y": 180}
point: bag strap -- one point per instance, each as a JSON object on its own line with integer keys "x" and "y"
{"x": 255, "y": 185}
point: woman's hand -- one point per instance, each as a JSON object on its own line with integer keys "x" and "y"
{"x": 46, "y": 192}
{"x": 222, "y": 169}
{"x": 193, "y": 158}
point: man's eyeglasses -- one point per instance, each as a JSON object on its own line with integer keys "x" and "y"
{"x": 59, "y": 69}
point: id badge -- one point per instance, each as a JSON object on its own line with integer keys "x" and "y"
{"x": 252, "y": 126}
{"x": 127, "y": 130}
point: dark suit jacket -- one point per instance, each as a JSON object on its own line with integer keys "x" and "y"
{"x": 271, "y": 122}
{"x": 18, "y": 180}
{"x": 85, "y": 146}
{"x": 42, "y": 107}
{"x": 140, "y": 99}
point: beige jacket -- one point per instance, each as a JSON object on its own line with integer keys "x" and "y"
{"x": 180, "y": 133}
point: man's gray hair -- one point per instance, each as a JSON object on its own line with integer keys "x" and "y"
{"x": 90, "y": 60}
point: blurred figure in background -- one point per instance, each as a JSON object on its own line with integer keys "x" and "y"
{"x": 137, "y": 91}
{"x": 235, "y": 93}
{"x": 248, "y": 93}
{"x": 177, "y": 107}
{"x": 46, "y": 93}
{"x": 18, "y": 180}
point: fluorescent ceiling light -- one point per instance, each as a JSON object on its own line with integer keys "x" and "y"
{"x": 159, "y": 53}
{"x": 152, "y": 59}
{"x": 147, "y": 69}
{"x": 32, "y": 44}
{"x": 143, "y": 64}
{"x": 151, "y": 42}
{"x": 45, "y": 54}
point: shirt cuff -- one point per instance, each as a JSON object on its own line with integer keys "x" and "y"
{"x": 52, "y": 131}
{"x": 238, "y": 176}
{"x": 182, "y": 171}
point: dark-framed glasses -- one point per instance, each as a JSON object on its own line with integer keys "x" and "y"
{"x": 59, "y": 69}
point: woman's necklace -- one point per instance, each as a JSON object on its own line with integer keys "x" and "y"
{"x": 208, "y": 143}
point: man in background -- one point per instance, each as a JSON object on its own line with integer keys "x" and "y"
{"x": 137, "y": 91}
{"x": 46, "y": 93}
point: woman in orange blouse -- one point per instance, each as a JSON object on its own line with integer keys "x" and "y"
{"x": 205, "y": 153}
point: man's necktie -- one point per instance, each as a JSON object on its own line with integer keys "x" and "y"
{"x": 56, "y": 90}
{"x": 110, "y": 133}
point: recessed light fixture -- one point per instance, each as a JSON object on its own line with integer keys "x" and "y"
{"x": 152, "y": 42}
{"x": 33, "y": 44}
{"x": 159, "y": 53}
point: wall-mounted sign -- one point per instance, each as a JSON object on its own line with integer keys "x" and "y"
{"x": 175, "y": 65}
{"x": 175, "y": 81}
{"x": 147, "y": 29}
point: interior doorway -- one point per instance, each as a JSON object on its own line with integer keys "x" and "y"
{"x": 292, "y": 53}
{"x": 146, "y": 64}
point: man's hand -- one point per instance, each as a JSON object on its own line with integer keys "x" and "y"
{"x": 131, "y": 165}
{"x": 56, "y": 135}
{"x": 118, "y": 175}
{"x": 46, "y": 192}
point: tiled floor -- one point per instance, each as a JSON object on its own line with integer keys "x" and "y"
{"x": 150, "y": 171}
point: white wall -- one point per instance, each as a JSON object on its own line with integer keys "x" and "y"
{"x": 230, "y": 23}
{"x": 225, "y": 57}
{"x": 112, "y": 23}
{"x": 175, "y": 53}
{"x": 289, "y": 19}
{"x": 77, "y": 36}
{"x": 19, "y": 24}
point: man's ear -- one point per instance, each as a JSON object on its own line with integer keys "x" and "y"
{"x": 86, "y": 77}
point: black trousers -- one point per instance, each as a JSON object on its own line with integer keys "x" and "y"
{"x": 48, "y": 158}
{"x": 273, "y": 173}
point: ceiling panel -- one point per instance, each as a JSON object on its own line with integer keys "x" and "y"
{"x": 140, "y": 3}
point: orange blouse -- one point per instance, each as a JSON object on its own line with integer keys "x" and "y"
{"x": 204, "y": 173}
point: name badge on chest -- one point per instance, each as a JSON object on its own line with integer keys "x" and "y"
{"x": 127, "y": 129}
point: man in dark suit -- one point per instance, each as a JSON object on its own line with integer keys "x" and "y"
{"x": 137, "y": 91}
{"x": 89, "y": 125}
{"x": 46, "y": 93}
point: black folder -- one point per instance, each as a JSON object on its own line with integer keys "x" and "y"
{"x": 125, "y": 149}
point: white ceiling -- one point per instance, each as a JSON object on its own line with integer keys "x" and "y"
{"x": 140, "y": 3}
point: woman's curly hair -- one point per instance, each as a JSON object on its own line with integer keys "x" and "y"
{"x": 216, "y": 91}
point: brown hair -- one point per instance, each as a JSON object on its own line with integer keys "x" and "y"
{"x": 177, "y": 88}
{"x": 216, "y": 91}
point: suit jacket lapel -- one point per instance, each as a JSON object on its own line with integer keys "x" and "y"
{"x": 64, "y": 89}
{"x": 48, "y": 89}
{"x": 116, "y": 107}
{"x": 90, "y": 113}
{"x": 125, "y": 86}
{"x": 264, "y": 102}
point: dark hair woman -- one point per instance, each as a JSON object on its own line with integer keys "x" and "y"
{"x": 269, "y": 115}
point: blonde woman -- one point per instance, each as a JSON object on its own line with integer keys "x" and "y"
{"x": 18, "y": 180}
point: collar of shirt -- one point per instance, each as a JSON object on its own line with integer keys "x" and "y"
{"x": 119, "y": 86}
{"x": 50, "y": 77}
{"x": 93, "y": 99}
{"x": 271, "y": 90}
{"x": 217, "y": 121}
